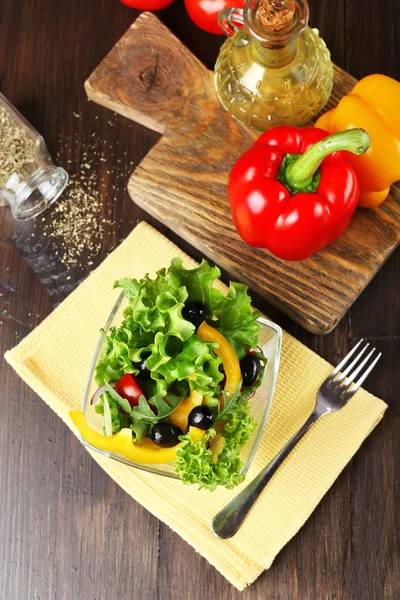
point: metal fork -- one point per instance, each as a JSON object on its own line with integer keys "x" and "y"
{"x": 334, "y": 393}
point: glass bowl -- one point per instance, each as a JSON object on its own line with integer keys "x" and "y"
{"x": 270, "y": 341}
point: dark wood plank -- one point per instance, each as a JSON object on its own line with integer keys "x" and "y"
{"x": 375, "y": 473}
{"x": 66, "y": 530}
{"x": 182, "y": 182}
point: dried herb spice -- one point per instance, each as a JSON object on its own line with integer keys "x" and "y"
{"x": 17, "y": 148}
{"x": 76, "y": 226}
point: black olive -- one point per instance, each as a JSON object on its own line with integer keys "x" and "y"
{"x": 144, "y": 372}
{"x": 251, "y": 368}
{"x": 201, "y": 417}
{"x": 194, "y": 312}
{"x": 165, "y": 434}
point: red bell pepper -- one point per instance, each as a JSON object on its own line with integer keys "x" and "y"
{"x": 292, "y": 191}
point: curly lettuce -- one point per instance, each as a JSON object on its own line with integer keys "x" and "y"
{"x": 195, "y": 463}
{"x": 153, "y": 329}
{"x": 232, "y": 314}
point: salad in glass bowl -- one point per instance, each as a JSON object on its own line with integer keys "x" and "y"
{"x": 176, "y": 377}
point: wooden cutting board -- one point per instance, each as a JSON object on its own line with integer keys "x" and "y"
{"x": 152, "y": 78}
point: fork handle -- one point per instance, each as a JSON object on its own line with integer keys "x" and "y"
{"x": 226, "y": 523}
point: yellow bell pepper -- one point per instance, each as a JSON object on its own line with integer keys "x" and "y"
{"x": 373, "y": 104}
{"x": 230, "y": 361}
{"x": 181, "y": 414}
{"x": 122, "y": 443}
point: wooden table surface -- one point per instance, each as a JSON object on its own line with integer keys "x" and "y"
{"x": 66, "y": 530}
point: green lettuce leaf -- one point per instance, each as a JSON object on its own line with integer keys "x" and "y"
{"x": 156, "y": 304}
{"x": 231, "y": 314}
{"x": 236, "y": 433}
{"x": 236, "y": 319}
{"x": 199, "y": 282}
{"x": 114, "y": 360}
{"x": 115, "y": 416}
{"x": 197, "y": 361}
{"x": 194, "y": 462}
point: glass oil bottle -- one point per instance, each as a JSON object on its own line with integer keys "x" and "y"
{"x": 273, "y": 69}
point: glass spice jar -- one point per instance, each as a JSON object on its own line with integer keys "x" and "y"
{"x": 273, "y": 69}
{"x": 29, "y": 181}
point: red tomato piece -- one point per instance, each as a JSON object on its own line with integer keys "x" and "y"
{"x": 128, "y": 388}
{"x": 205, "y": 12}
{"x": 147, "y": 4}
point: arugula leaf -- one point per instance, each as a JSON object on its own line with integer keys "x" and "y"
{"x": 143, "y": 412}
{"x": 124, "y": 404}
{"x": 139, "y": 429}
{"x": 165, "y": 406}
{"x": 124, "y": 420}
{"x": 231, "y": 403}
{"x": 234, "y": 401}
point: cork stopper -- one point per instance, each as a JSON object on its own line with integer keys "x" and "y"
{"x": 276, "y": 15}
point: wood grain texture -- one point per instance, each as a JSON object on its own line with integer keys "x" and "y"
{"x": 67, "y": 532}
{"x": 152, "y": 78}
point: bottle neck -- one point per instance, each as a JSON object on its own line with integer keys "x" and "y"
{"x": 274, "y": 49}
{"x": 274, "y": 57}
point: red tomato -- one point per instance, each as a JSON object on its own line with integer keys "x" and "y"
{"x": 129, "y": 389}
{"x": 205, "y": 12}
{"x": 147, "y": 4}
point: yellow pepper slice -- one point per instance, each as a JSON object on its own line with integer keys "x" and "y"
{"x": 181, "y": 414}
{"x": 229, "y": 359}
{"x": 122, "y": 443}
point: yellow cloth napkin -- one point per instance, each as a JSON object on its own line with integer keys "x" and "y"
{"x": 54, "y": 360}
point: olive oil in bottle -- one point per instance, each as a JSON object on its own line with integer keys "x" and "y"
{"x": 273, "y": 69}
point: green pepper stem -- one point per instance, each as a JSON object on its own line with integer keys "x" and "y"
{"x": 300, "y": 173}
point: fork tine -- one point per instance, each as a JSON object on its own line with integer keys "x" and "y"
{"x": 344, "y": 361}
{"x": 365, "y": 375}
{"x": 352, "y": 377}
{"x": 351, "y": 365}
